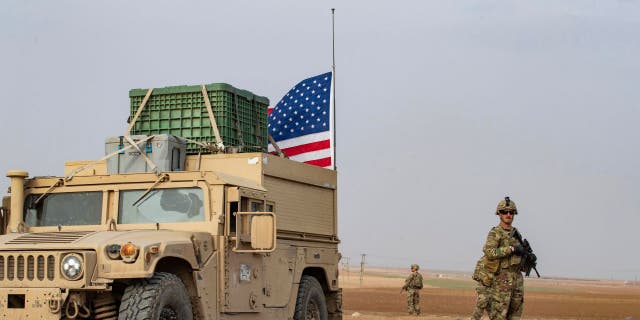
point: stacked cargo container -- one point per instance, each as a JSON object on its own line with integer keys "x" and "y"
{"x": 241, "y": 116}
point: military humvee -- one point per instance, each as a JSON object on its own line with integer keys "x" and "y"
{"x": 227, "y": 236}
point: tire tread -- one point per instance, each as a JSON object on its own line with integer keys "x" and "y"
{"x": 139, "y": 298}
{"x": 307, "y": 285}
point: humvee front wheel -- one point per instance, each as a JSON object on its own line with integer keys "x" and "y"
{"x": 161, "y": 297}
{"x": 310, "y": 304}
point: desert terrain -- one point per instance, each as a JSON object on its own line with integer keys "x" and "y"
{"x": 451, "y": 295}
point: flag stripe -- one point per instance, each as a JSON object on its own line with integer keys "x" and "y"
{"x": 314, "y": 146}
{"x": 324, "y": 162}
{"x": 312, "y": 155}
{"x": 309, "y": 138}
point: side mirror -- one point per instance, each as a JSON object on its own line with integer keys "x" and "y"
{"x": 256, "y": 232}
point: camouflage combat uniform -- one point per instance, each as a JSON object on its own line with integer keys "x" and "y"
{"x": 483, "y": 290}
{"x": 507, "y": 287}
{"x": 413, "y": 284}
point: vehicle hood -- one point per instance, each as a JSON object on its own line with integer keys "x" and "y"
{"x": 90, "y": 239}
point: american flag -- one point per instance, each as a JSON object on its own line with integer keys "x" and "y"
{"x": 301, "y": 122}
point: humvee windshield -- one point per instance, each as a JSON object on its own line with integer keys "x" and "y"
{"x": 161, "y": 205}
{"x": 65, "y": 209}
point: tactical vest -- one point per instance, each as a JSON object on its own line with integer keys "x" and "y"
{"x": 415, "y": 281}
{"x": 504, "y": 240}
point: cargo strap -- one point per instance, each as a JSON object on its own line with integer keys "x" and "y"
{"x": 212, "y": 119}
{"x": 53, "y": 186}
{"x": 142, "y": 104}
{"x": 238, "y": 125}
{"x": 202, "y": 144}
{"x": 91, "y": 164}
{"x": 153, "y": 166}
{"x": 275, "y": 146}
{"x": 127, "y": 136}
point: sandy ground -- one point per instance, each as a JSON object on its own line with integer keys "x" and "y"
{"x": 451, "y": 296}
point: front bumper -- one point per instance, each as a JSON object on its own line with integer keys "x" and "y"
{"x": 31, "y": 303}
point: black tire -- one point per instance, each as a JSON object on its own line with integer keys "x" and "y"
{"x": 310, "y": 304}
{"x": 162, "y": 297}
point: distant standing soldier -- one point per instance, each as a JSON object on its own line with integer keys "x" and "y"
{"x": 483, "y": 290}
{"x": 412, "y": 285}
{"x": 501, "y": 263}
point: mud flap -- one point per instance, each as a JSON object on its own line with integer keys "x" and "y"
{"x": 334, "y": 304}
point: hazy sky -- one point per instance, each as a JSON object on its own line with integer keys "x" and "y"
{"x": 443, "y": 108}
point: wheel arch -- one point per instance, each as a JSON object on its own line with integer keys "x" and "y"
{"x": 320, "y": 274}
{"x": 333, "y": 297}
{"x": 183, "y": 270}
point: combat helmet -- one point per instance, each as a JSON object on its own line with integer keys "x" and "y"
{"x": 415, "y": 266}
{"x": 506, "y": 204}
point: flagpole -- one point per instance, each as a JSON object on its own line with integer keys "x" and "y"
{"x": 333, "y": 82}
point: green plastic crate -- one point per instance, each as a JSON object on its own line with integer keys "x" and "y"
{"x": 240, "y": 115}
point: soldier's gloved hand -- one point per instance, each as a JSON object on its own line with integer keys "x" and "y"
{"x": 519, "y": 250}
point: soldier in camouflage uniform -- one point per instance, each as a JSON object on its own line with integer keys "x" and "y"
{"x": 412, "y": 285}
{"x": 501, "y": 260}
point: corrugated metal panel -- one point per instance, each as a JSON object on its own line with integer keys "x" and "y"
{"x": 50, "y": 237}
{"x": 301, "y": 207}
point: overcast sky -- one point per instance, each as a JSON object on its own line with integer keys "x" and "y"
{"x": 443, "y": 108}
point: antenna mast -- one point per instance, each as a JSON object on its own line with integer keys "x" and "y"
{"x": 333, "y": 86}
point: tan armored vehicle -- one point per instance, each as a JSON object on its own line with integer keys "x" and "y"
{"x": 216, "y": 236}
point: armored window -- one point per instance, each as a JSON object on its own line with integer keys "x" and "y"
{"x": 64, "y": 209}
{"x": 255, "y": 206}
{"x": 161, "y": 206}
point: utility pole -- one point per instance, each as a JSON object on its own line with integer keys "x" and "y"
{"x": 348, "y": 269}
{"x": 345, "y": 265}
{"x": 362, "y": 268}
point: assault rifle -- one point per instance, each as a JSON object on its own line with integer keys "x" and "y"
{"x": 529, "y": 260}
{"x": 406, "y": 284}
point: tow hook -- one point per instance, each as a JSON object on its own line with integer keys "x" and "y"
{"x": 76, "y": 309}
{"x": 55, "y": 303}
{"x": 72, "y": 310}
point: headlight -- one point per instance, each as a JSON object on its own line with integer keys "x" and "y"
{"x": 113, "y": 251}
{"x": 71, "y": 266}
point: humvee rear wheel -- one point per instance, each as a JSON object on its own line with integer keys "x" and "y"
{"x": 310, "y": 304}
{"x": 161, "y": 297}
